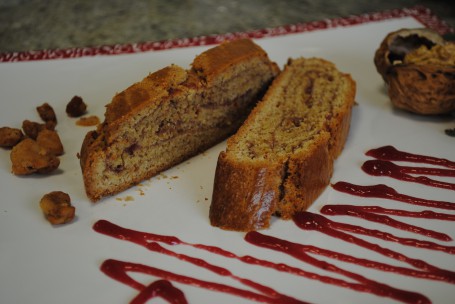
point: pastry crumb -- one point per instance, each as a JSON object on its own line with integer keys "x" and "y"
{"x": 127, "y": 198}
{"x": 88, "y": 121}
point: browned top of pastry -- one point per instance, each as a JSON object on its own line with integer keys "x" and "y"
{"x": 151, "y": 89}
{"x": 157, "y": 85}
{"x": 212, "y": 62}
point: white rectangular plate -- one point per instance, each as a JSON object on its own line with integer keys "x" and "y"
{"x": 40, "y": 263}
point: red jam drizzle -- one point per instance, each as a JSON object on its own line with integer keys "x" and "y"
{"x": 428, "y": 214}
{"x": 163, "y": 288}
{"x": 391, "y": 153}
{"x": 312, "y": 221}
{"x": 383, "y": 191}
{"x": 413, "y": 170}
{"x": 300, "y": 252}
{"x": 387, "y": 168}
{"x": 384, "y": 235}
{"x": 118, "y": 270}
{"x": 369, "y": 215}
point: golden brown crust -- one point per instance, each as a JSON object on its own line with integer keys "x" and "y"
{"x": 91, "y": 150}
{"x": 141, "y": 94}
{"x": 214, "y": 61}
{"x": 308, "y": 174}
{"x": 250, "y": 194}
{"x": 310, "y": 100}
{"x": 149, "y": 92}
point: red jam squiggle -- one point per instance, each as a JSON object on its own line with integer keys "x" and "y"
{"x": 163, "y": 289}
{"x": 427, "y": 171}
{"x": 300, "y": 252}
{"x": 373, "y": 287}
{"x": 391, "y": 153}
{"x": 147, "y": 240}
{"x": 427, "y": 214}
{"x": 312, "y": 221}
{"x": 117, "y": 270}
{"x": 386, "y": 192}
{"x": 369, "y": 215}
{"x": 387, "y": 168}
{"x": 150, "y": 241}
{"x": 382, "y": 235}
{"x": 140, "y": 238}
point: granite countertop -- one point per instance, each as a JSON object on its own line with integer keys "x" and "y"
{"x": 49, "y": 24}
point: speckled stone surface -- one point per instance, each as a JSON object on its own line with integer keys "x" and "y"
{"x": 49, "y": 24}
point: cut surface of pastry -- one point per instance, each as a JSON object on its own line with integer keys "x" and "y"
{"x": 174, "y": 114}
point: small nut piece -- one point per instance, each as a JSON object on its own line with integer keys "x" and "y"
{"x": 46, "y": 112}
{"x": 28, "y": 157}
{"x": 9, "y": 137}
{"x": 57, "y": 207}
{"x": 50, "y": 140}
{"x": 76, "y": 107}
{"x": 32, "y": 128}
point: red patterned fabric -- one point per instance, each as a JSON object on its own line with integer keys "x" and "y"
{"x": 422, "y": 14}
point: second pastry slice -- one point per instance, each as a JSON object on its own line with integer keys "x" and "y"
{"x": 281, "y": 159}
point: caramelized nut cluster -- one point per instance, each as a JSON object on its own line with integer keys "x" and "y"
{"x": 35, "y": 149}
{"x": 418, "y": 66}
{"x": 57, "y": 207}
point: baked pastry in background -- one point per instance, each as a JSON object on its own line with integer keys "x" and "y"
{"x": 418, "y": 66}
